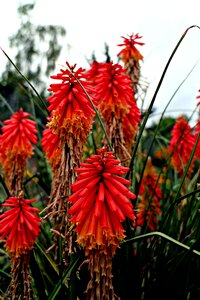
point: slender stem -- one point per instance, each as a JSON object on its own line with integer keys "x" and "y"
{"x": 24, "y": 77}
{"x": 187, "y": 195}
{"x": 7, "y": 104}
{"x": 4, "y": 186}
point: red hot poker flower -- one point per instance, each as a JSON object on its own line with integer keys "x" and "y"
{"x": 20, "y": 225}
{"x": 130, "y": 51}
{"x": 70, "y": 108}
{"x": 131, "y": 58}
{"x": 113, "y": 89}
{"x": 19, "y": 133}
{"x": 181, "y": 144}
{"x": 197, "y": 129}
{"x": 93, "y": 71}
{"x": 100, "y": 201}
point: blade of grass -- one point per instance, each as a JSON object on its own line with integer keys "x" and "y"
{"x": 7, "y": 104}
{"x": 26, "y": 79}
{"x": 33, "y": 101}
{"x": 5, "y": 273}
{"x": 4, "y": 186}
{"x": 164, "y": 236}
{"x": 54, "y": 266}
{"x": 66, "y": 274}
{"x": 188, "y": 195}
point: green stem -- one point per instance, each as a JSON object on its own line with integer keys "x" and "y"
{"x": 7, "y": 104}
{"x": 187, "y": 195}
{"x": 24, "y": 77}
{"x": 4, "y": 186}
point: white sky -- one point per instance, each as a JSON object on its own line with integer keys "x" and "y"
{"x": 91, "y": 23}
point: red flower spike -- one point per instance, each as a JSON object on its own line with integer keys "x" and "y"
{"x": 100, "y": 201}
{"x": 71, "y": 111}
{"x": 20, "y": 224}
{"x": 197, "y": 130}
{"x": 93, "y": 71}
{"x": 181, "y": 145}
{"x": 113, "y": 88}
{"x": 130, "y": 51}
{"x": 18, "y": 135}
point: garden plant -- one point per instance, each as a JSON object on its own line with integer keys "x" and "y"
{"x": 94, "y": 203}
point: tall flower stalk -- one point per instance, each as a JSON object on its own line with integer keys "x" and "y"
{"x": 131, "y": 57}
{"x": 100, "y": 203}
{"x": 71, "y": 117}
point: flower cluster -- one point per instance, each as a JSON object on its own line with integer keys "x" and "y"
{"x": 71, "y": 111}
{"x": 20, "y": 224}
{"x": 100, "y": 201}
{"x": 113, "y": 89}
{"x": 116, "y": 103}
{"x": 94, "y": 71}
{"x": 18, "y": 135}
{"x": 181, "y": 145}
{"x": 130, "y": 51}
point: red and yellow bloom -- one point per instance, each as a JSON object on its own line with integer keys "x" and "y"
{"x": 16, "y": 146}
{"x": 114, "y": 91}
{"x": 18, "y": 135}
{"x": 71, "y": 111}
{"x": 129, "y": 51}
{"x": 20, "y": 224}
{"x": 100, "y": 201}
{"x": 181, "y": 145}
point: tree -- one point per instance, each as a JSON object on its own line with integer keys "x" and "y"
{"x": 37, "y": 48}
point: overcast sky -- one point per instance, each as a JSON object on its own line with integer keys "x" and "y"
{"x": 91, "y": 23}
